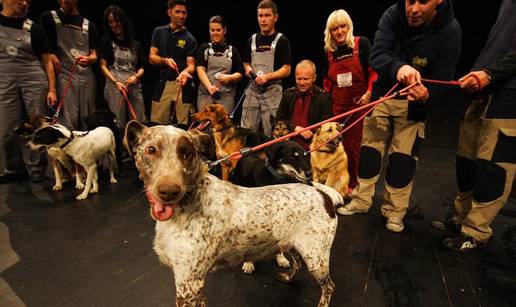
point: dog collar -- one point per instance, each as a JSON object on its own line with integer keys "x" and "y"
{"x": 72, "y": 136}
{"x": 274, "y": 172}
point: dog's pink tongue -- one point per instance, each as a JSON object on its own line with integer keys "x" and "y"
{"x": 162, "y": 213}
{"x": 158, "y": 210}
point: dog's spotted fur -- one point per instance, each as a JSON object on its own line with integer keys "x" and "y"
{"x": 204, "y": 222}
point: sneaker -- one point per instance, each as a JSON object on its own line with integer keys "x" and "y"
{"x": 448, "y": 225}
{"x": 462, "y": 243}
{"x": 395, "y": 224}
{"x": 349, "y": 209}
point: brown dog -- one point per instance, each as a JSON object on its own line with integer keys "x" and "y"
{"x": 281, "y": 128}
{"x": 330, "y": 162}
{"x": 62, "y": 164}
{"x": 228, "y": 138}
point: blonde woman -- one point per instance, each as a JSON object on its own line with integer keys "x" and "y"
{"x": 349, "y": 79}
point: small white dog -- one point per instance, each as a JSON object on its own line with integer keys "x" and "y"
{"x": 85, "y": 148}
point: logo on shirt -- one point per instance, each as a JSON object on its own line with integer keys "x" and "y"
{"x": 419, "y": 63}
{"x": 181, "y": 43}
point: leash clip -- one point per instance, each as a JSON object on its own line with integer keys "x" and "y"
{"x": 245, "y": 151}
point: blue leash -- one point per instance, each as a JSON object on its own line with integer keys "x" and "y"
{"x": 237, "y": 105}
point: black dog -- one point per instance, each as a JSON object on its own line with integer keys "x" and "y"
{"x": 286, "y": 162}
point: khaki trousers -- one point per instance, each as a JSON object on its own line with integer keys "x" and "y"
{"x": 389, "y": 122}
{"x": 172, "y": 94}
{"x": 482, "y": 140}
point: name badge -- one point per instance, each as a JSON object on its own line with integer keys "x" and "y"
{"x": 344, "y": 80}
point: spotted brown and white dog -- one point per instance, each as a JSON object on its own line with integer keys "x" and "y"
{"x": 203, "y": 222}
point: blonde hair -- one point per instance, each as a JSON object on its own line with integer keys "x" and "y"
{"x": 338, "y": 17}
{"x": 307, "y": 63}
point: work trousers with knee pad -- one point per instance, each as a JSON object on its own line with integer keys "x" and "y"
{"x": 486, "y": 164}
{"x": 388, "y": 122}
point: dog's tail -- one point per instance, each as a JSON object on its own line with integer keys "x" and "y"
{"x": 331, "y": 197}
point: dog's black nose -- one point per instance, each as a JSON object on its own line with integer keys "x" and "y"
{"x": 309, "y": 174}
{"x": 169, "y": 192}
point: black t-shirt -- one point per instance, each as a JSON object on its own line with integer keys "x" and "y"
{"x": 177, "y": 45}
{"x": 364, "y": 49}
{"x": 47, "y": 22}
{"x": 106, "y": 51}
{"x": 38, "y": 39}
{"x": 236, "y": 65}
{"x": 282, "y": 54}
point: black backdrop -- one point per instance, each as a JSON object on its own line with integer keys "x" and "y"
{"x": 302, "y": 22}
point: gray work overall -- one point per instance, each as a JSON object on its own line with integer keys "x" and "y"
{"x": 23, "y": 88}
{"x": 217, "y": 64}
{"x": 261, "y": 102}
{"x": 124, "y": 67}
{"x": 80, "y": 97}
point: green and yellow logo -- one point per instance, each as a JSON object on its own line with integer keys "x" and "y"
{"x": 181, "y": 43}
{"x": 419, "y": 63}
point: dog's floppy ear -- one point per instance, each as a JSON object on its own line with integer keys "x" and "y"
{"x": 318, "y": 130}
{"x": 272, "y": 151}
{"x": 133, "y": 133}
{"x": 202, "y": 142}
{"x": 339, "y": 127}
{"x": 220, "y": 114}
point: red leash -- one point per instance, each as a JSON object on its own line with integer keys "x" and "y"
{"x": 238, "y": 154}
{"x": 69, "y": 84}
{"x": 403, "y": 92}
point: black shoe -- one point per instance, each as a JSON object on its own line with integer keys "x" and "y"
{"x": 37, "y": 177}
{"x": 13, "y": 177}
{"x": 448, "y": 225}
{"x": 462, "y": 243}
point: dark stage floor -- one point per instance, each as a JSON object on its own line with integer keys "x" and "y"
{"x": 55, "y": 251}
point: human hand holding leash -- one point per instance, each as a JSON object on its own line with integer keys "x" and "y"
{"x": 131, "y": 80}
{"x": 170, "y": 63}
{"x": 223, "y": 78}
{"x": 261, "y": 79}
{"x": 475, "y": 81}
{"x": 364, "y": 99}
{"x": 408, "y": 75}
{"x": 120, "y": 86}
{"x": 419, "y": 92}
{"x": 183, "y": 77}
{"x": 305, "y": 134}
{"x": 82, "y": 60}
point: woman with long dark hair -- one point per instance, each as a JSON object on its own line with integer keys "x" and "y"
{"x": 121, "y": 62}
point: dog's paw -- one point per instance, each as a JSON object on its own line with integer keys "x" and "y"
{"x": 282, "y": 261}
{"x": 113, "y": 180}
{"x": 81, "y": 196}
{"x": 248, "y": 267}
{"x": 57, "y": 187}
{"x": 79, "y": 186}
